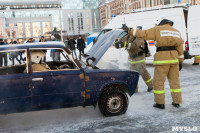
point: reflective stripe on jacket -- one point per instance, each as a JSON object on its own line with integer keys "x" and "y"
{"x": 164, "y": 35}
{"x": 136, "y": 62}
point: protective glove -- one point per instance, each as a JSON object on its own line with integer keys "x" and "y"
{"x": 117, "y": 45}
{"x": 122, "y": 44}
{"x": 180, "y": 66}
{"x": 125, "y": 27}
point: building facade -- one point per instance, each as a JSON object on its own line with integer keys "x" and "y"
{"x": 23, "y": 19}
{"x": 110, "y": 8}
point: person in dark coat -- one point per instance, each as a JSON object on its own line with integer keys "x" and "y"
{"x": 14, "y": 55}
{"x": 80, "y": 45}
{"x": 42, "y": 39}
{"x": 30, "y": 40}
{"x": 3, "y": 56}
{"x": 72, "y": 47}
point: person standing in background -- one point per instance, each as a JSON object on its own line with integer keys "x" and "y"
{"x": 42, "y": 39}
{"x": 30, "y": 40}
{"x": 72, "y": 47}
{"x": 3, "y": 56}
{"x": 80, "y": 45}
{"x": 55, "y": 54}
{"x": 14, "y": 55}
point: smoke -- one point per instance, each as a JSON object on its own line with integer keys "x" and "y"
{"x": 33, "y": 120}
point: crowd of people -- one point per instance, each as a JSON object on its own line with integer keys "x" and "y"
{"x": 54, "y": 54}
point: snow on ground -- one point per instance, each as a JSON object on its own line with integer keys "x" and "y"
{"x": 140, "y": 117}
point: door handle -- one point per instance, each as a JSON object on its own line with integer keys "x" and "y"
{"x": 37, "y": 79}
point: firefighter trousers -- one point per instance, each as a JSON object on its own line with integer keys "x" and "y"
{"x": 141, "y": 68}
{"x": 170, "y": 71}
{"x": 197, "y": 59}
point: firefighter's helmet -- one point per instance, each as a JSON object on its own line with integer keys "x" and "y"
{"x": 162, "y": 21}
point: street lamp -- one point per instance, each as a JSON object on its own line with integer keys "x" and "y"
{"x": 60, "y": 9}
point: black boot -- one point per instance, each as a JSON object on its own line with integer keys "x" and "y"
{"x": 175, "y": 105}
{"x": 195, "y": 64}
{"x": 160, "y": 106}
{"x": 149, "y": 89}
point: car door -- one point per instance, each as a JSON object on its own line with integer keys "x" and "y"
{"x": 193, "y": 30}
{"x": 53, "y": 88}
{"x": 14, "y": 88}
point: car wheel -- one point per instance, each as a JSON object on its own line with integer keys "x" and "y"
{"x": 113, "y": 102}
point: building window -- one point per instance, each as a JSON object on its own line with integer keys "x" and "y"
{"x": 8, "y": 33}
{"x": 40, "y": 6}
{"x": 71, "y": 22}
{"x": 95, "y": 20}
{"x": 46, "y": 27}
{"x": 36, "y": 29}
{"x": 1, "y": 29}
{"x": 14, "y": 33}
{"x": 166, "y": 2}
{"x": 24, "y": 6}
{"x": 80, "y": 21}
{"x": 148, "y": 3}
{"x": 20, "y": 30}
{"x": 88, "y": 21}
{"x": 11, "y": 25}
{"x": 28, "y": 29}
{"x": 32, "y": 6}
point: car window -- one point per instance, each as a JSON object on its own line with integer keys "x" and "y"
{"x": 102, "y": 33}
{"x": 123, "y": 34}
{"x": 50, "y": 59}
{"x": 12, "y": 62}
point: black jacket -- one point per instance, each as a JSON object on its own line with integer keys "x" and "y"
{"x": 80, "y": 44}
{"x": 71, "y": 44}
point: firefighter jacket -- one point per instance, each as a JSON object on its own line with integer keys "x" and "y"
{"x": 164, "y": 35}
{"x": 135, "y": 46}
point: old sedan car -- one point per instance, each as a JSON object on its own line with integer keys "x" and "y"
{"x": 60, "y": 81}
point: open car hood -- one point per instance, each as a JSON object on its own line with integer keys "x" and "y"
{"x": 102, "y": 45}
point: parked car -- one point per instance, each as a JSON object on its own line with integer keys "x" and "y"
{"x": 65, "y": 82}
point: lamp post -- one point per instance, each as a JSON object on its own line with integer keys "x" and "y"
{"x": 60, "y": 9}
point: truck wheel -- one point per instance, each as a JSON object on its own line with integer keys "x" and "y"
{"x": 113, "y": 102}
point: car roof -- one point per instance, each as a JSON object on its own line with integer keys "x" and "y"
{"x": 50, "y": 44}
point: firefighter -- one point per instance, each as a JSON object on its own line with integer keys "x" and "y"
{"x": 167, "y": 60}
{"x": 137, "y": 48}
{"x": 196, "y": 60}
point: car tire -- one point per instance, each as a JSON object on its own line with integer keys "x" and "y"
{"x": 113, "y": 102}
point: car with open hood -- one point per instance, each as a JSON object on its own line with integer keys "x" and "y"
{"x": 48, "y": 77}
